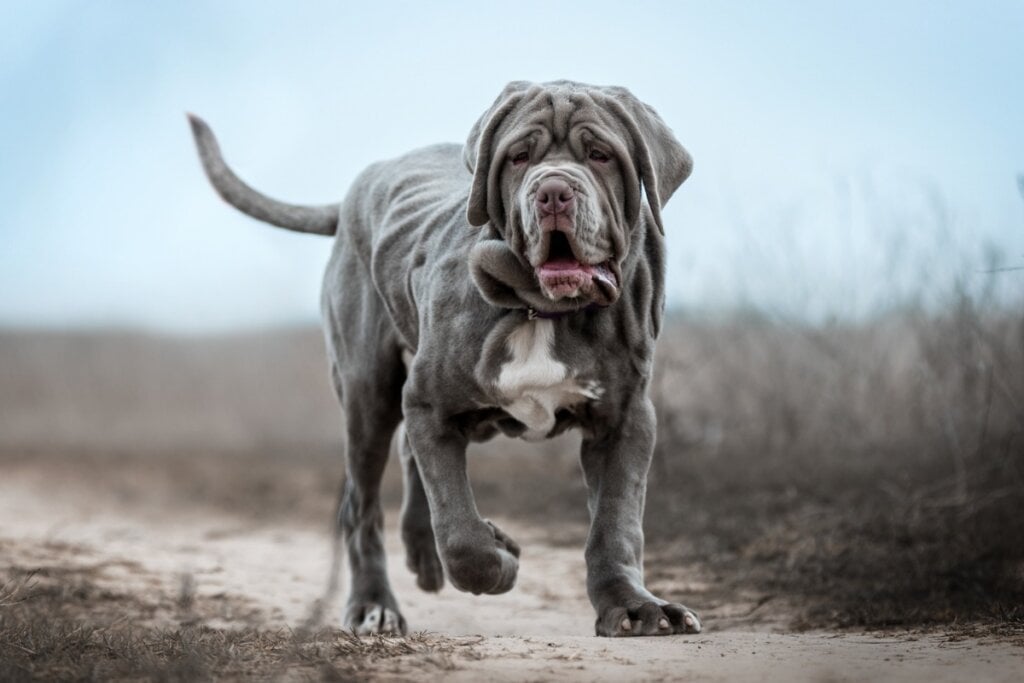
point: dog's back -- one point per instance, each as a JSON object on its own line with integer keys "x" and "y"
{"x": 401, "y": 225}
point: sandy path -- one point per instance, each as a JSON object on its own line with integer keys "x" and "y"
{"x": 243, "y": 573}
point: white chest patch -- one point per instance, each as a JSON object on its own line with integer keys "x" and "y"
{"x": 534, "y": 383}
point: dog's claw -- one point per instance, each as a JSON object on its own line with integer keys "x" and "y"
{"x": 376, "y": 619}
{"x": 647, "y": 619}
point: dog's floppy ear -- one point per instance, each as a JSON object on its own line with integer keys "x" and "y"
{"x": 662, "y": 162}
{"x": 485, "y": 204}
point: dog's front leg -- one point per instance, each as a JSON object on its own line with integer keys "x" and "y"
{"x": 615, "y": 461}
{"x": 477, "y": 556}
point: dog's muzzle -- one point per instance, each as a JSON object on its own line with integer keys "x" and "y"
{"x": 562, "y": 275}
{"x": 565, "y": 267}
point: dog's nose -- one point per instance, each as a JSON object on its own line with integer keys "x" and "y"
{"x": 554, "y": 196}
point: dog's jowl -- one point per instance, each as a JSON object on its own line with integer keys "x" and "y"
{"x": 512, "y": 284}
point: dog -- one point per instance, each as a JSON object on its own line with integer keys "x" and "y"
{"x": 513, "y": 284}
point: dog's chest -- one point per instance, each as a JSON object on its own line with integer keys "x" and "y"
{"x": 533, "y": 384}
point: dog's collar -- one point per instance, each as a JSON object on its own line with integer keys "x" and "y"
{"x": 533, "y": 314}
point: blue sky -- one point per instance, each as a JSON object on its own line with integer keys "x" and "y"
{"x": 847, "y": 155}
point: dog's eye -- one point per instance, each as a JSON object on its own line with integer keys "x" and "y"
{"x": 520, "y": 159}
{"x": 599, "y": 156}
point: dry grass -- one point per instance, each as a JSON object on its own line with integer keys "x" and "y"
{"x": 871, "y": 474}
{"x": 875, "y": 472}
{"x": 144, "y": 394}
{"x": 50, "y": 629}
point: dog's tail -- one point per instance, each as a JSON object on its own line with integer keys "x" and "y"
{"x": 321, "y": 220}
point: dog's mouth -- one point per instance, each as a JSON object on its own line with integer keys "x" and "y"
{"x": 563, "y": 275}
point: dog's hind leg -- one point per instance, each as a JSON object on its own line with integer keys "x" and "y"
{"x": 372, "y": 408}
{"x": 417, "y": 533}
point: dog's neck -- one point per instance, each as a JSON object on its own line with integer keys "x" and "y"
{"x": 533, "y": 314}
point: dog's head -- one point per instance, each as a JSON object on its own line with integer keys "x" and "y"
{"x": 561, "y": 170}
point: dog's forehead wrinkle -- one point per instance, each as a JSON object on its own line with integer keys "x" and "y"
{"x": 563, "y": 108}
{"x": 558, "y": 109}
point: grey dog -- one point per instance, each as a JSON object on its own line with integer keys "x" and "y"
{"x": 513, "y": 284}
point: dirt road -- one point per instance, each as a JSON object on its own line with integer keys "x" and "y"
{"x": 189, "y": 565}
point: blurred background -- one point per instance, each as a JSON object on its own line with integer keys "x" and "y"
{"x": 841, "y": 382}
{"x": 849, "y": 159}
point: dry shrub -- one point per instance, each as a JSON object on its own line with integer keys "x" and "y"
{"x": 875, "y": 468}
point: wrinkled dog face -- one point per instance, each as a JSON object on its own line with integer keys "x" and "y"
{"x": 558, "y": 170}
{"x": 558, "y": 196}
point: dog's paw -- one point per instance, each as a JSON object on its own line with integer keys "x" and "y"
{"x": 373, "y": 618}
{"x": 422, "y": 560}
{"x": 488, "y": 563}
{"x": 647, "y": 619}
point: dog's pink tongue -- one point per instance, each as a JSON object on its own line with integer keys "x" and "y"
{"x": 560, "y": 265}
